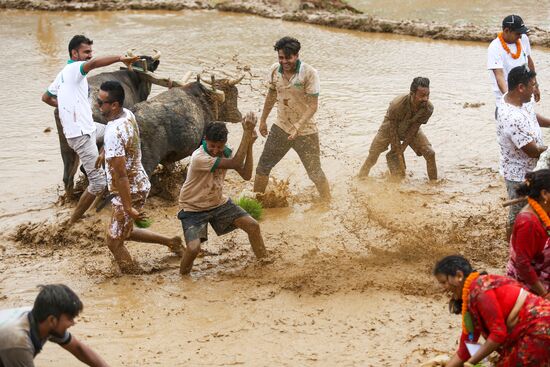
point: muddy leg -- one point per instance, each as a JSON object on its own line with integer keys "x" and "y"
{"x": 430, "y": 165}
{"x": 121, "y": 254}
{"x": 368, "y": 164}
{"x": 146, "y": 236}
{"x": 191, "y": 251}
{"x": 84, "y": 203}
{"x": 260, "y": 183}
{"x": 252, "y": 228}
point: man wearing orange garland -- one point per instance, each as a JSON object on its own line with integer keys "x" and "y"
{"x": 511, "y": 48}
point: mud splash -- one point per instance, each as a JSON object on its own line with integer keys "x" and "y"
{"x": 329, "y": 13}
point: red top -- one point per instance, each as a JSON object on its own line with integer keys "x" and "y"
{"x": 526, "y": 248}
{"x": 494, "y": 306}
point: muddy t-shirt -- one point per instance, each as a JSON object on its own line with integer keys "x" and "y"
{"x": 517, "y": 127}
{"x": 19, "y": 338}
{"x": 122, "y": 140}
{"x": 292, "y": 96}
{"x": 401, "y": 114}
{"x": 202, "y": 189}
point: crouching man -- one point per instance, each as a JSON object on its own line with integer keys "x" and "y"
{"x": 201, "y": 198}
{"x": 126, "y": 178}
{"x": 24, "y": 331}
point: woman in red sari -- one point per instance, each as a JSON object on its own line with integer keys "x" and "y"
{"x": 529, "y": 245}
{"x": 514, "y": 322}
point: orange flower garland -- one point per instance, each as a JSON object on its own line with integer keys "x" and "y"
{"x": 465, "y": 295}
{"x": 507, "y": 49}
{"x": 540, "y": 212}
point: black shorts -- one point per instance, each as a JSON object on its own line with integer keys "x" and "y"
{"x": 195, "y": 224}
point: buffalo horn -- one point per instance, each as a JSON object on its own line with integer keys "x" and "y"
{"x": 156, "y": 56}
{"x": 130, "y": 52}
{"x": 235, "y": 81}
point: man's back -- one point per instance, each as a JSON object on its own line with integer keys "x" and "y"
{"x": 16, "y": 346}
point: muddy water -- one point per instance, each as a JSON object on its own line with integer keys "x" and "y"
{"x": 343, "y": 283}
{"x": 360, "y": 74}
{"x": 479, "y": 12}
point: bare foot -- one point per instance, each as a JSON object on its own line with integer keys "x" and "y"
{"x": 176, "y": 245}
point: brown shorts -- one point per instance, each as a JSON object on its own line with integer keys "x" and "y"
{"x": 121, "y": 223}
{"x": 420, "y": 144}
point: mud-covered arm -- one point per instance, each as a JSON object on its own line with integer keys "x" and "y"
{"x": 84, "y": 353}
{"x": 236, "y": 162}
{"x": 98, "y": 62}
{"x": 117, "y": 168}
{"x": 501, "y": 82}
{"x": 246, "y": 171}
{"x": 543, "y": 121}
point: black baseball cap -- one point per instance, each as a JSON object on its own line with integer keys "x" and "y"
{"x": 515, "y": 23}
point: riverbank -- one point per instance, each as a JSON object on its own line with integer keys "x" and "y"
{"x": 329, "y": 13}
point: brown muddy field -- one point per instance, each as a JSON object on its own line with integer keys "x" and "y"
{"x": 346, "y": 284}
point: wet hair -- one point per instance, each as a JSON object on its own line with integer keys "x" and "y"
{"x": 519, "y": 75}
{"x": 289, "y": 45}
{"x": 534, "y": 183}
{"x": 419, "y": 81}
{"x": 449, "y": 266}
{"x": 216, "y": 131}
{"x": 54, "y": 300}
{"x": 77, "y": 40}
{"x": 115, "y": 91}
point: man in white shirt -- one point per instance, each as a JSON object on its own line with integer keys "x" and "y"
{"x": 518, "y": 133}
{"x": 24, "y": 331}
{"x": 511, "y": 48}
{"x": 70, "y": 94}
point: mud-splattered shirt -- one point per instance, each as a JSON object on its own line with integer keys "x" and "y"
{"x": 122, "y": 140}
{"x": 292, "y": 96}
{"x": 400, "y": 116}
{"x": 202, "y": 189}
{"x": 19, "y": 338}
{"x": 517, "y": 127}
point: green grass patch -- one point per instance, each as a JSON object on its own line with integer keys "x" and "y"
{"x": 251, "y": 206}
{"x": 143, "y": 223}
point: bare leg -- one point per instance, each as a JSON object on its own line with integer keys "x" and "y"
{"x": 86, "y": 200}
{"x": 122, "y": 256}
{"x": 146, "y": 236}
{"x": 191, "y": 251}
{"x": 260, "y": 183}
{"x": 252, "y": 228}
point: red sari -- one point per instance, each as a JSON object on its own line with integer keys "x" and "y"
{"x": 528, "y": 343}
{"x": 529, "y": 251}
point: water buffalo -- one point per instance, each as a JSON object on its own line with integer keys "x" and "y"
{"x": 136, "y": 89}
{"x": 172, "y": 123}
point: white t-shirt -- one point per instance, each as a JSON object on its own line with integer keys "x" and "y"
{"x": 71, "y": 88}
{"x": 517, "y": 127}
{"x": 122, "y": 140}
{"x": 498, "y": 58}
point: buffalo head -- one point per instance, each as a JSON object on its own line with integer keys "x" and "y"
{"x": 228, "y": 109}
{"x": 149, "y": 63}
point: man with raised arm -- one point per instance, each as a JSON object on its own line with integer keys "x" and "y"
{"x": 70, "y": 94}
{"x": 201, "y": 197}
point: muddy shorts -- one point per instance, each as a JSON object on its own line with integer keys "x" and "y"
{"x": 195, "y": 224}
{"x": 121, "y": 223}
{"x": 420, "y": 144}
{"x": 277, "y": 145}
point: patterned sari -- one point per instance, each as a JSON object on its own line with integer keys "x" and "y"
{"x": 528, "y": 343}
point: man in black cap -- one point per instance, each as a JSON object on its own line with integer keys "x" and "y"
{"x": 511, "y": 48}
